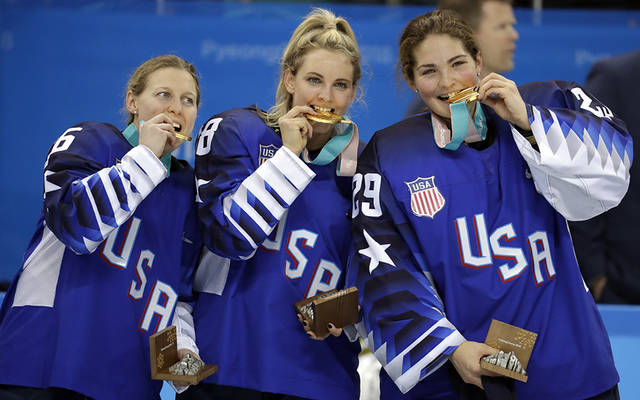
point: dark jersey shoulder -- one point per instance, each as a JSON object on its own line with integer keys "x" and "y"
{"x": 249, "y": 113}
{"x": 104, "y": 129}
{"x": 404, "y": 132}
{"x": 547, "y": 93}
{"x": 243, "y": 123}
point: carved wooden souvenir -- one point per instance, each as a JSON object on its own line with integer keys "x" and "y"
{"x": 515, "y": 345}
{"x": 163, "y": 350}
{"x": 339, "y": 307}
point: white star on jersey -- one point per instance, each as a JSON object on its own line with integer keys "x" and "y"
{"x": 376, "y": 252}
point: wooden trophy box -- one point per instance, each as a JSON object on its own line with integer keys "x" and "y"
{"x": 339, "y": 307}
{"x": 163, "y": 350}
{"x": 509, "y": 338}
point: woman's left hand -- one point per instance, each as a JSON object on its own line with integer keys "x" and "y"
{"x": 503, "y": 96}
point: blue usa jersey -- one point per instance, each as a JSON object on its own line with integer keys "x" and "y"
{"x": 114, "y": 247}
{"x": 280, "y": 231}
{"x": 446, "y": 241}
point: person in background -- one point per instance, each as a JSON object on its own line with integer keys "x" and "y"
{"x": 116, "y": 243}
{"x": 274, "y": 191}
{"x": 460, "y": 217}
{"x": 607, "y": 246}
{"x": 494, "y": 27}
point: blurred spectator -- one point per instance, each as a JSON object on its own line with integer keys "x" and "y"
{"x": 608, "y": 246}
{"x": 493, "y": 23}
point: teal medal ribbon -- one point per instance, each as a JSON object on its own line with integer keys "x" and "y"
{"x": 480, "y": 125}
{"x": 333, "y": 147}
{"x": 343, "y": 144}
{"x": 133, "y": 137}
{"x": 463, "y": 127}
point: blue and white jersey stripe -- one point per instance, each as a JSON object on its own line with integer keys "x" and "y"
{"x": 582, "y": 166}
{"x": 99, "y": 202}
{"x": 241, "y": 206}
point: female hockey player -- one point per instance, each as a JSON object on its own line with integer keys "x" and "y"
{"x": 114, "y": 247}
{"x": 282, "y": 226}
{"x": 460, "y": 217}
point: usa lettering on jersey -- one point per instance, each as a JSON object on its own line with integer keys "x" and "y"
{"x": 161, "y": 298}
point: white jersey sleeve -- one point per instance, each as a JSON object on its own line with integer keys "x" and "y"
{"x": 584, "y": 152}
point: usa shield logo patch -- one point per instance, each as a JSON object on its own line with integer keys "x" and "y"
{"x": 426, "y": 199}
{"x": 266, "y": 152}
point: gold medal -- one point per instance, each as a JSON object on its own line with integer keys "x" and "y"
{"x": 327, "y": 118}
{"x": 176, "y": 129}
{"x": 183, "y": 137}
{"x": 467, "y": 95}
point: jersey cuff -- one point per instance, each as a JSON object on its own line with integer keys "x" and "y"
{"x": 185, "y": 327}
{"x": 148, "y": 161}
{"x": 186, "y": 343}
{"x": 293, "y": 168}
{"x": 351, "y": 332}
{"x": 456, "y": 339}
{"x": 527, "y": 145}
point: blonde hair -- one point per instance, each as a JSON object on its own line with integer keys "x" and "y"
{"x": 138, "y": 81}
{"x": 320, "y": 29}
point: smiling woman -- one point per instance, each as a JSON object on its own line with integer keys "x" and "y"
{"x": 445, "y": 66}
{"x": 110, "y": 254}
{"x": 467, "y": 204}
{"x": 321, "y": 84}
{"x": 282, "y": 225}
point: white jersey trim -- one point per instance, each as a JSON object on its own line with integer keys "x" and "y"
{"x": 407, "y": 380}
{"x": 212, "y": 273}
{"x": 39, "y": 278}
{"x": 286, "y": 174}
{"x": 579, "y": 178}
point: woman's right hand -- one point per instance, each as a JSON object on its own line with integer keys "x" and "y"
{"x": 466, "y": 360}
{"x": 155, "y": 132}
{"x": 295, "y": 128}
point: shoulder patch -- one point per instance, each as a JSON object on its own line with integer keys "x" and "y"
{"x": 266, "y": 152}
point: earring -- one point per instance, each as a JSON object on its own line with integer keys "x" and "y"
{"x": 135, "y": 112}
{"x": 416, "y": 90}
